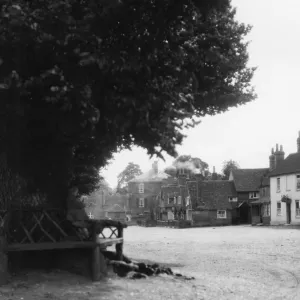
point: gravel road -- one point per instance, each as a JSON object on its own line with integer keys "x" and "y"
{"x": 236, "y": 262}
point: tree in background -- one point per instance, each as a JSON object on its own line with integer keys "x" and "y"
{"x": 130, "y": 172}
{"x": 194, "y": 164}
{"x": 80, "y": 80}
{"x": 228, "y": 166}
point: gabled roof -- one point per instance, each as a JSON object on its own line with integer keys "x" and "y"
{"x": 115, "y": 208}
{"x": 290, "y": 165}
{"x": 215, "y": 193}
{"x": 248, "y": 180}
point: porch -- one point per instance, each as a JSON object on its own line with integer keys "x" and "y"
{"x": 261, "y": 211}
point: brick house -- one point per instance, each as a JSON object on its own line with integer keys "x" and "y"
{"x": 213, "y": 202}
{"x": 173, "y": 200}
{"x": 247, "y": 183}
{"x": 143, "y": 191}
{"x": 261, "y": 208}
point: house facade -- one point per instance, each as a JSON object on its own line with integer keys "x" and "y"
{"x": 173, "y": 200}
{"x": 285, "y": 190}
{"x": 261, "y": 208}
{"x": 143, "y": 191}
{"x": 215, "y": 203}
{"x": 247, "y": 183}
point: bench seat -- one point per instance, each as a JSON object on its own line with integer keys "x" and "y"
{"x": 101, "y": 242}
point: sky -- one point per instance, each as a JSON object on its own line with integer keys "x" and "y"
{"x": 246, "y": 134}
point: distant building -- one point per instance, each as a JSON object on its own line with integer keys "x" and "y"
{"x": 247, "y": 183}
{"x": 104, "y": 204}
{"x": 285, "y": 189}
{"x": 173, "y": 200}
{"x": 143, "y": 191}
{"x": 214, "y": 202}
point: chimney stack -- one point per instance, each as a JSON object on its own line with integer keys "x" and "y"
{"x": 155, "y": 167}
{"x": 272, "y": 164}
{"x": 298, "y": 143}
{"x": 279, "y": 155}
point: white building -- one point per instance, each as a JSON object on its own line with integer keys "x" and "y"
{"x": 285, "y": 188}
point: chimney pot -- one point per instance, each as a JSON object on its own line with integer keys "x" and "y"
{"x": 281, "y": 148}
{"x": 272, "y": 151}
{"x": 214, "y": 169}
{"x": 276, "y": 147}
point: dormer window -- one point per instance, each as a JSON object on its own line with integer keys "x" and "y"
{"x": 253, "y": 195}
{"x": 141, "y": 188}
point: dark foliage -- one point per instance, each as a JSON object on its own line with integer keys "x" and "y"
{"x": 82, "y": 79}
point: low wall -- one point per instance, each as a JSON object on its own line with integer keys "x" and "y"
{"x": 209, "y": 218}
{"x": 174, "y": 224}
{"x": 256, "y": 220}
{"x": 147, "y": 223}
{"x": 266, "y": 220}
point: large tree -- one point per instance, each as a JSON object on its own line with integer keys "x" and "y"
{"x": 130, "y": 172}
{"x": 80, "y": 80}
{"x": 228, "y": 166}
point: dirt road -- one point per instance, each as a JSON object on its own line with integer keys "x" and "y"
{"x": 240, "y": 262}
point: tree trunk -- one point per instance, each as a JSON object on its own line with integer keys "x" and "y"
{"x": 3, "y": 262}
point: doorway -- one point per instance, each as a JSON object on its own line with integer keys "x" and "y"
{"x": 288, "y": 213}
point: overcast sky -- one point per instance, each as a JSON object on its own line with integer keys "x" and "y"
{"x": 247, "y": 134}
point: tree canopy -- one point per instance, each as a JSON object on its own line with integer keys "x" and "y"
{"x": 130, "y": 172}
{"x": 228, "y": 166}
{"x": 80, "y": 80}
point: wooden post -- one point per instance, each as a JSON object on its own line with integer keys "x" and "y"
{"x": 96, "y": 259}
{"x": 119, "y": 247}
{"x": 3, "y": 261}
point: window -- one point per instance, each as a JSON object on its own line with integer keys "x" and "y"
{"x": 298, "y": 182}
{"x": 232, "y": 199}
{"x": 171, "y": 200}
{"x": 287, "y": 183}
{"x": 179, "y": 200}
{"x": 141, "y": 188}
{"x": 278, "y": 185}
{"x": 221, "y": 214}
{"x": 141, "y": 202}
{"x": 278, "y": 208}
{"x": 253, "y": 195}
{"x": 297, "y": 208}
{"x": 267, "y": 210}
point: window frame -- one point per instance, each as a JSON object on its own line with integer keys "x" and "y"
{"x": 174, "y": 201}
{"x": 279, "y": 210}
{"x": 141, "y": 188}
{"x": 253, "y": 195}
{"x": 141, "y": 202}
{"x": 297, "y": 210}
{"x": 297, "y": 182}
{"x": 219, "y": 215}
{"x": 287, "y": 188}
{"x": 278, "y": 184}
{"x": 179, "y": 200}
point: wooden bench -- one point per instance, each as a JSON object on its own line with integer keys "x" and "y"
{"x": 47, "y": 229}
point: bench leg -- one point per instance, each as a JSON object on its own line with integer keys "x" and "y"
{"x": 3, "y": 262}
{"x": 99, "y": 266}
{"x": 119, "y": 247}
